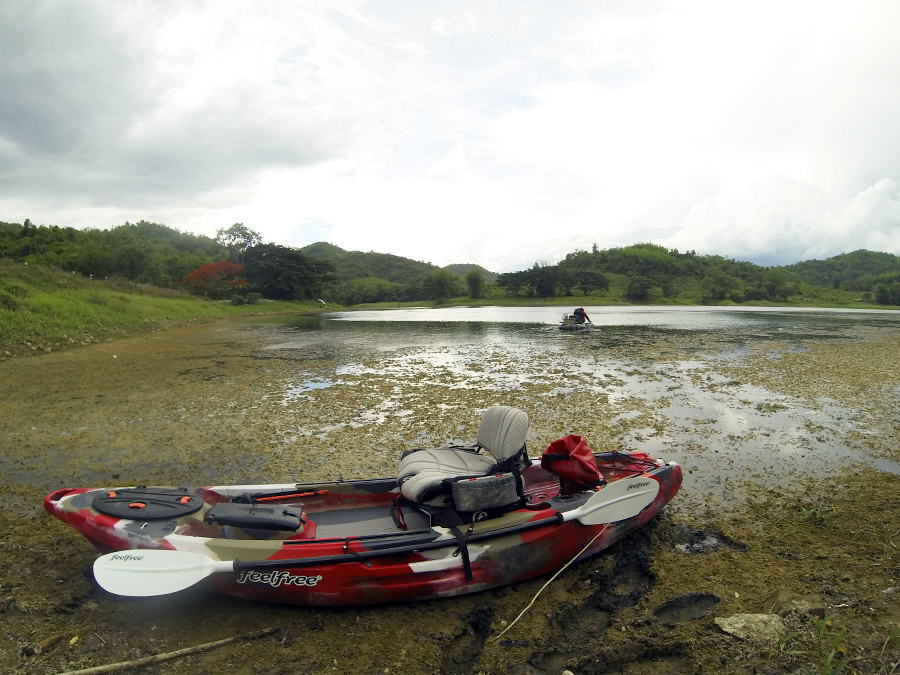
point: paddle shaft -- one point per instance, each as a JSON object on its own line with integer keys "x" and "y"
{"x": 362, "y": 556}
{"x": 558, "y": 518}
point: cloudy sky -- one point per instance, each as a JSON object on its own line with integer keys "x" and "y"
{"x": 499, "y": 132}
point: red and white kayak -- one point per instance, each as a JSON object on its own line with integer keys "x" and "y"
{"x": 366, "y": 541}
{"x": 359, "y": 543}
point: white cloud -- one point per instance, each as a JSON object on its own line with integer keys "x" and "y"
{"x": 499, "y": 133}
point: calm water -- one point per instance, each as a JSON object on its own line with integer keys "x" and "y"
{"x": 657, "y": 379}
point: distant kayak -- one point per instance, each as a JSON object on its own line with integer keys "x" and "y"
{"x": 572, "y": 322}
{"x": 454, "y": 520}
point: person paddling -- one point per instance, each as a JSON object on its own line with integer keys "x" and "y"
{"x": 580, "y": 315}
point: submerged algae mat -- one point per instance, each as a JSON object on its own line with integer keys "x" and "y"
{"x": 791, "y": 492}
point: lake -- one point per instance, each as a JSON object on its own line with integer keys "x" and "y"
{"x": 723, "y": 391}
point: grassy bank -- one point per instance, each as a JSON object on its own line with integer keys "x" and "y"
{"x": 44, "y": 309}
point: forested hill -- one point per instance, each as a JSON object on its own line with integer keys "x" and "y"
{"x": 857, "y": 271}
{"x": 463, "y": 269}
{"x": 236, "y": 264}
{"x": 648, "y": 272}
{"x": 379, "y": 277}
{"x": 351, "y": 265}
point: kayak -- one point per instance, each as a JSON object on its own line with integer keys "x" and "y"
{"x": 570, "y": 322}
{"x": 454, "y": 520}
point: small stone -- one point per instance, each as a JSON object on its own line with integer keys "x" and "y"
{"x": 759, "y": 628}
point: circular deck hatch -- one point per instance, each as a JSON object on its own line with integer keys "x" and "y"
{"x": 148, "y": 503}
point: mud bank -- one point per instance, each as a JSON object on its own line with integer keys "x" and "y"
{"x": 804, "y": 536}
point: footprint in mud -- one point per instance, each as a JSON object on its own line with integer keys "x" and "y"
{"x": 460, "y": 655}
{"x": 687, "y": 607}
{"x": 622, "y": 576}
{"x": 692, "y": 541}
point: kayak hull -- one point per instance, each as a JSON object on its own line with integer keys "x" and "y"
{"x": 360, "y": 542}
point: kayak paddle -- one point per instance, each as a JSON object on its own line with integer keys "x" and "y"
{"x": 149, "y": 572}
{"x": 619, "y": 500}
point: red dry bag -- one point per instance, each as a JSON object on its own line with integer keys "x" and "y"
{"x": 571, "y": 459}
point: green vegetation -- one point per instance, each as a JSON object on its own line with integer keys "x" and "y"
{"x": 647, "y": 273}
{"x": 145, "y": 269}
{"x": 874, "y": 275}
{"x": 643, "y": 273}
{"x": 236, "y": 262}
{"x": 381, "y": 277}
{"x": 42, "y": 308}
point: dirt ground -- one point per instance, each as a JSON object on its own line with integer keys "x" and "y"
{"x": 814, "y": 554}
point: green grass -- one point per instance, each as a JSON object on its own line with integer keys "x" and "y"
{"x": 47, "y": 308}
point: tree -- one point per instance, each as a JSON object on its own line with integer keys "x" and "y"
{"x": 283, "y": 273}
{"x": 887, "y": 293}
{"x": 780, "y": 284}
{"x": 542, "y": 278}
{"x": 475, "y": 283}
{"x": 368, "y": 289}
{"x": 237, "y": 239}
{"x": 443, "y": 284}
{"x": 511, "y": 282}
{"x": 216, "y": 280}
{"x": 638, "y": 289}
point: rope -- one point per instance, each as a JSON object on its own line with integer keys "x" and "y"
{"x": 549, "y": 581}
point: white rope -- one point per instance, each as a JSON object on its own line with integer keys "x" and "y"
{"x": 549, "y": 581}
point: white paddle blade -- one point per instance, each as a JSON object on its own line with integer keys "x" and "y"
{"x": 148, "y": 572}
{"x": 620, "y": 500}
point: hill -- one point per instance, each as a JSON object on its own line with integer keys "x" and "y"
{"x": 351, "y": 265}
{"x": 384, "y": 277}
{"x": 856, "y": 271}
{"x": 460, "y": 270}
{"x": 161, "y": 256}
{"x": 648, "y": 273}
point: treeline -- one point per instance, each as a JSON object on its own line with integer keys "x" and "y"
{"x": 235, "y": 265}
{"x": 238, "y": 265}
{"x": 647, "y": 272}
{"x": 875, "y": 275}
{"x": 141, "y": 252}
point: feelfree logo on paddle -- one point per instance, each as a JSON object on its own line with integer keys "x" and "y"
{"x": 126, "y": 557}
{"x": 276, "y": 579}
{"x": 637, "y": 485}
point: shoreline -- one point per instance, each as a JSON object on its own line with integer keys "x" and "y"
{"x": 207, "y": 400}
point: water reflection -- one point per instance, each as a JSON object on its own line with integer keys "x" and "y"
{"x": 653, "y": 379}
{"x": 688, "y": 318}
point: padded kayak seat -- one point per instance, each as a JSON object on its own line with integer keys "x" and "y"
{"x": 499, "y": 448}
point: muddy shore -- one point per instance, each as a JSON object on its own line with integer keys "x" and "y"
{"x": 813, "y": 544}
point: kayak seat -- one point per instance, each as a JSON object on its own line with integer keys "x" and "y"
{"x": 425, "y": 475}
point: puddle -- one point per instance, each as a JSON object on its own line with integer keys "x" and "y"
{"x": 302, "y": 389}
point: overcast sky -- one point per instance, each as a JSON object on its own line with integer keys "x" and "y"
{"x": 494, "y": 132}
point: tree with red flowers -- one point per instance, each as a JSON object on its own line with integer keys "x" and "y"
{"x": 215, "y": 280}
